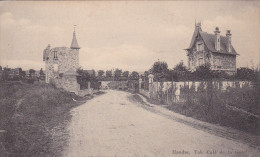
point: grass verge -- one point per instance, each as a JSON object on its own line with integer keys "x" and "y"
{"x": 31, "y": 118}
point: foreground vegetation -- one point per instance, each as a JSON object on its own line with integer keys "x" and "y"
{"x": 235, "y": 107}
{"x": 29, "y": 117}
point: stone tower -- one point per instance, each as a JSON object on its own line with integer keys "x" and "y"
{"x": 61, "y": 64}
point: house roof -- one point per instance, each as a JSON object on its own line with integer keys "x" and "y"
{"x": 209, "y": 40}
{"x": 195, "y": 34}
{"x": 74, "y": 43}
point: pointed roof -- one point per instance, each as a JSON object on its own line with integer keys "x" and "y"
{"x": 74, "y": 43}
{"x": 209, "y": 40}
{"x": 195, "y": 34}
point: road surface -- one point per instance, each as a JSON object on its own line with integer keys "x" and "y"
{"x": 112, "y": 125}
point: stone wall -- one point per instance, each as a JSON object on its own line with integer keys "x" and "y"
{"x": 157, "y": 87}
{"x": 67, "y": 59}
{"x": 59, "y": 61}
{"x": 197, "y": 58}
{"x": 69, "y": 83}
{"x": 224, "y": 62}
{"x": 223, "y": 85}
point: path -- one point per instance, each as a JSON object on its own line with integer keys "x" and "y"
{"x": 111, "y": 125}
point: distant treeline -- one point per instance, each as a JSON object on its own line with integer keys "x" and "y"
{"x": 180, "y": 72}
{"x": 18, "y": 74}
{"x": 159, "y": 69}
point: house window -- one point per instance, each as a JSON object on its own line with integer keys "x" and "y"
{"x": 200, "y": 61}
{"x": 200, "y": 47}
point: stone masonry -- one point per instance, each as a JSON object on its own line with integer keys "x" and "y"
{"x": 61, "y": 64}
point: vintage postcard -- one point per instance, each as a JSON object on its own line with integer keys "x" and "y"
{"x": 129, "y": 78}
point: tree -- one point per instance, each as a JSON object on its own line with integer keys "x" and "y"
{"x": 108, "y": 73}
{"x": 5, "y": 74}
{"x": 179, "y": 72}
{"x": 244, "y": 73}
{"x": 160, "y": 70}
{"x": 101, "y": 73}
{"x": 203, "y": 72}
{"x": 31, "y": 71}
{"x": 41, "y": 72}
{"x": 117, "y": 73}
{"x": 23, "y": 73}
{"x": 126, "y": 74}
{"x": 180, "y": 67}
{"x": 134, "y": 75}
{"x": 94, "y": 73}
{"x": 84, "y": 77}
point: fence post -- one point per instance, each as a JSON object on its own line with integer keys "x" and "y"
{"x": 140, "y": 84}
{"x": 88, "y": 84}
{"x": 172, "y": 92}
{"x": 150, "y": 76}
{"x": 167, "y": 94}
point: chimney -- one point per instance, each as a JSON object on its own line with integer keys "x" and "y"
{"x": 217, "y": 39}
{"x": 228, "y": 35}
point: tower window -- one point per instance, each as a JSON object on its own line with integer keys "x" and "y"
{"x": 55, "y": 55}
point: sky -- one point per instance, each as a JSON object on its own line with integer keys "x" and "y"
{"x": 130, "y": 35}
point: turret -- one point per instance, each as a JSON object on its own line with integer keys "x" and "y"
{"x": 46, "y": 52}
{"x": 74, "y": 43}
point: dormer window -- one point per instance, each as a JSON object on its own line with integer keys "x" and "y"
{"x": 200, "y": 47}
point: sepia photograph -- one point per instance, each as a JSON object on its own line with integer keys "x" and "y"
{"x": 130, "y": 78}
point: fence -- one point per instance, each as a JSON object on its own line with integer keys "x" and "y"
{"x": 240, "y": 94}
{"x": 167, "y": 89}
{"x": 229, "y": 103}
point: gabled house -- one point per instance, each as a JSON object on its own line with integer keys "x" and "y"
{"x": 213, "y": 49}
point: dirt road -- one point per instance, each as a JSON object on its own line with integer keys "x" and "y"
{"x": 112, "y": 125}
